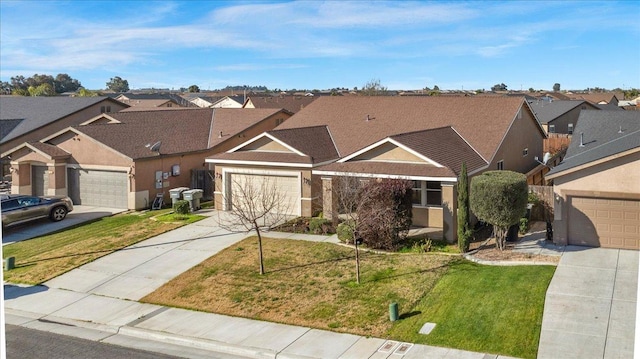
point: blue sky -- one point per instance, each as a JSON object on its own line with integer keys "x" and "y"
{"x": 322, "y": 45}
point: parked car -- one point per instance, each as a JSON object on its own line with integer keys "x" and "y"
{"x": 18, "y": 209}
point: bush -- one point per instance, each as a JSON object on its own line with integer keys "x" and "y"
{"x": 524, "y": 225}
{"x": 181, "y": 207}
{"x": 384, "y": 215}
{"x": 345, "y": 231}
{"x": 319, "y": 226}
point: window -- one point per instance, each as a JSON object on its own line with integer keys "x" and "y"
{"x": 500, "y": 165}
{"x": 279, "y": 121}
{"x": 525, "y": 152}
{"x": 570, "y": 128}
{"x": 102, "y": 109}
{"x": 552, "y": 128}
{"x": 427, "y": 193}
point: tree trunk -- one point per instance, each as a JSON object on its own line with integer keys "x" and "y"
{"x": 501, "y": 234}
{"x": 259, "y": 248}
{"x": 357, "y": 262}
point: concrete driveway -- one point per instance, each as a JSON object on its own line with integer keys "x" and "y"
{"x": 41, "y": 227}
{"x": 590, "y": 307}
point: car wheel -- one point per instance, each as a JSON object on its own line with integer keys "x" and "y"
{"x": 58, "y": 214}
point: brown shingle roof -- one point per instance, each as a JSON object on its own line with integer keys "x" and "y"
{"x": 483, "y": 122}
{"x": 232, "y": 121}
{"x": 50, "y": 150}
{"x": 257, "y": 156}
{"x": 444, "y": 146}
{"x": 180, "y": 131}
{"x": 388, "y": 168}
{"x": 313, "y": 141}
{"x": 289, "y": 103}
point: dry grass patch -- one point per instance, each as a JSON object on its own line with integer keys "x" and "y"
{"x": 306, "y": 283}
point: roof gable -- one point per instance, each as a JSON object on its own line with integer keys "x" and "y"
{"x": 356, "y": 122}
{"x": 600, "y": 135}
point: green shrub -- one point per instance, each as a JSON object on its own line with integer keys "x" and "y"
{"x": 345, "y": 231}
{"x": 319, "y": 225}
{"x": 524, "y": 225}
{"x": 533, "y": 198}
{"x": 181, "y": 207}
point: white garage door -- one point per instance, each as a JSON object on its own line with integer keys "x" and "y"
{"x": 601, "y": 222}
{"x": 98, "y": 188}
{"x": 258, "y": 187}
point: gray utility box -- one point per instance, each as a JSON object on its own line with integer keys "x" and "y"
{"x": 176, "y": 193}
{"x": 193, "y": 196}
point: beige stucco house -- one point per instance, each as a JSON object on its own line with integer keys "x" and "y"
{"x": 423, "y": 139}
{"x": 124, "y": 160}
{"x": 597, "y": 186}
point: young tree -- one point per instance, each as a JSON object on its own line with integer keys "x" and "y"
{"x": 117, "y": 84}
{"x": 255, "y": 205}
{"x": 194, "y": 88}
{"x": 500, "y": 199}
{"x": 384, "y": 213}
{"x": 499, "y": 87}
{"x": 464, "y": 232}
{"x": 556, "y": 87}
{"x": 374, "y": 88}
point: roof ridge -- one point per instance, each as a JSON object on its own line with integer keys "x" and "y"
{"x": 604, "y": 144}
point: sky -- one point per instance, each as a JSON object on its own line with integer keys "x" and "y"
{"x": 405, "y": 45}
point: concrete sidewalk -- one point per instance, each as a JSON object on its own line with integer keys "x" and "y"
{"x": 590, "y": 307}
{"x": 98, "y": 301}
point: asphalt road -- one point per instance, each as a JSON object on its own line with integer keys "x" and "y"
{"x": 35, "y": 344}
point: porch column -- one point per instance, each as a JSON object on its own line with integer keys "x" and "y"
{"x": 329, "y": 199}
{"x": 58, "y": 180}
{"x": 21, "y": 178}
{"x": 449, "y": 212}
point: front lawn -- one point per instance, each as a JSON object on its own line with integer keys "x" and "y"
{"x": 43, "y": 258}
{"x": 481, "y": 308}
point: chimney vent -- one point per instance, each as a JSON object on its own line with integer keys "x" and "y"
{"x": 581, "y": 139}
{"x": 220, "y": 134}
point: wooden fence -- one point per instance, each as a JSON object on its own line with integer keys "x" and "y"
{"x": 556, "y": 142}
{"x": 544, "y": 211}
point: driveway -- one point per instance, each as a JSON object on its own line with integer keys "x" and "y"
{"x": 41, "y": 227}
{"x": 590, "y": 307}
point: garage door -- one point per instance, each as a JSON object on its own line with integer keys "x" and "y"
{"x": 285, "y": 188}
{"x": 39, "y": 180}
{"x": 98, "y": 188}
{"x": 601, "y": 222}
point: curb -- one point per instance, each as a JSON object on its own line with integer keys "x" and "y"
{"x": 205, "y": 344}
{"x": 506, "y": 263}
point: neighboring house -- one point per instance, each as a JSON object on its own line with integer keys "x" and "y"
{"x": 110, "y": 160}
{"x": 218, "y": 101}
{"x": 598, "y": 98}
{"x": 145, "y": 101}
{"x": 289, "y": 103}
{"x": 24, "y": 118}
{"x": 597, "y": 185}
{"x": 424, "y": 139}
{"x": 559, "y": 116}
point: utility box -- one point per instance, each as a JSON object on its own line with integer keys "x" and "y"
{"x": 176, "y": 193}
{"x": 193, "y": 196}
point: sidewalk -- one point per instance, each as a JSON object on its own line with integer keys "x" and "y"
{"x": 98, "y": 301}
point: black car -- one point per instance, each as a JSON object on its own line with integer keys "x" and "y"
{"x": 18, "y": 209}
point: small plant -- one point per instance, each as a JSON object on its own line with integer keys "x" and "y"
{"x": 345, "y": 232}
{"x": 319, "y": 225}
{"x": 181, "y": 207}
{"x": 422, "y": 246}
{"x": 524, "y": 225}
{"x": 533, "y": 198}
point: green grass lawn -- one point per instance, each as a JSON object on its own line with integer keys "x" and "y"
{"x": 480, "y": 308}
{"x": 43, "y": 258}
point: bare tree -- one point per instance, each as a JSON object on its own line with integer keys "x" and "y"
{"x": 255, "y": 204}
{"x": 348, "y": 192}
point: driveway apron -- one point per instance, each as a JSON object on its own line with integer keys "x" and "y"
{"x": 590, "y": 306}
{"x": 138, "y": 270}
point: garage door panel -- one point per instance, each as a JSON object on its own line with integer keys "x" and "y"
{"x": 286, "y": 187}
{"x": 99, "y": 188}
{"x": 602, "y": 222}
